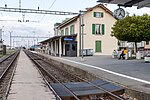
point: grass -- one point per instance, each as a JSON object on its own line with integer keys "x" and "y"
{"x": 1, "y": 55}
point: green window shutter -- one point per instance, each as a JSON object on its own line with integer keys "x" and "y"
{"x": 62, "y": 32}
{"x": 98, "y": 46}
{"x": 102, "y": 14}
{"x": 93, "y": 28}
{"x": 66, "y": 31}
{"x": 70, "y": 29}
{"x": 73, "y": 29}
{"x": 103, "y": 29}
{"x": 94, "y": 14}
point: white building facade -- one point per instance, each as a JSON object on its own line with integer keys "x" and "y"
{"x": 98, "y": 21}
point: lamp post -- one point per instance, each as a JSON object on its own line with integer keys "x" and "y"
{"x": 82, "y": 31}
{"x": 10, "y": 38}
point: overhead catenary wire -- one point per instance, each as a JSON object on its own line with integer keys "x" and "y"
{"x": 40, "y": 11}
{"x": 48, "y": 9}
{"x": 44, "y": 14}
{"x": 4, "y": 1}
{"x": 35, "y": 15}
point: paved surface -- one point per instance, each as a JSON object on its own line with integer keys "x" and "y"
{"x": 133, "y": 74}
{"x": 27, "y": 82}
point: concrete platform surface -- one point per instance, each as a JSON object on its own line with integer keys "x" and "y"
{"x": 133, "y": 74}
{"x": 27, "y": 82}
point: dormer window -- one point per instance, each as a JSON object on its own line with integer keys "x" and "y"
{"x": 98, "y": 14}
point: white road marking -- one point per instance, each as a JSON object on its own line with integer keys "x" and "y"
{"x": 111, "y": 72}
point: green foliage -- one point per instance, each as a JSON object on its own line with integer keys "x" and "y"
{"x": 1, "y": 55}
{"x": 132, "y": 28}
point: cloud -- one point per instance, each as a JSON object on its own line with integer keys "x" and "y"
{"x": 24, "y": 29}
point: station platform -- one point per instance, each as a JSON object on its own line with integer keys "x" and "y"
{"x": 27, "y": 82}
{"x": 131, "y": 74}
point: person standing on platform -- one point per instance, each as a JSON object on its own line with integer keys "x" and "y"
{"x": 126, "y": 53}
{"x": 122, "y": 54}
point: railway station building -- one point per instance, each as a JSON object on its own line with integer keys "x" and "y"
{"x": 96, "y": 40}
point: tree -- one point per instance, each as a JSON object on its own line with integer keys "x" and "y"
{"x": 132, "y": 29}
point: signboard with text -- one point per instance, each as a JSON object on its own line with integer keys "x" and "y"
{"x": 68, "y": 39}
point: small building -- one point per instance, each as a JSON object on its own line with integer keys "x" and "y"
{"x": 96, "y": 40}
{"x": 147, "y": 45}
{"x": 2, "y": 48}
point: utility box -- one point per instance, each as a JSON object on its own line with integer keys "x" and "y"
{"x": 138, "y": 55}
{"x": 4, "y": 49}
{"x": 147, "y": 58}
{"x": 83, "y": 52}
{"x": 89, "y": 52}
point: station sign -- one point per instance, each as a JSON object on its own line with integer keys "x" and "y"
{"x": 68, "y": 39}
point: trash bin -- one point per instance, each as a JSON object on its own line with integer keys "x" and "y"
{"x": 126, "y": 56}
{"x": 130, "y": 53}
{"x": 138, "y": 55}
{"x": 83, "y": 52}
{"x": 89, "y": 52}
{"x": 147, "y": 58}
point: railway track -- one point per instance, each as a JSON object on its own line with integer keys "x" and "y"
{"x": 7, "y": 69}
{"x": 53, "y": 74}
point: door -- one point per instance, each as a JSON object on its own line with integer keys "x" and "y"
{"x": 98, "y": 46}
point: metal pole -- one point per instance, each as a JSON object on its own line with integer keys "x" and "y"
{"x": 82, "y": 26}
{"x": 28, "y": 44}
{"x": 13, "y": 43}
{"x": 37, "y": 41}
{"x": 80, "y": 50}
{"x": 1, "y": 35}
{"x": 10, "y": 39}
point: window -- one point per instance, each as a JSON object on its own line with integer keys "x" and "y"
{"x": 98, "y": 29}
{"x": 98, "y": 14}
{"x": 72, "y": 29}
{"x": 147, "y": 42}
{"x": 62, "y": 32}
{"x": 73, "y": 47}
{"x": 98, "y": 46}
{"x": 66, "y": 31}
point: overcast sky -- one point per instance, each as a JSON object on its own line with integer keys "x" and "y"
{"x": 43, "y": 24}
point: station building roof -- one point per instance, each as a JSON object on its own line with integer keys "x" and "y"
{"x": 128, "y": 3}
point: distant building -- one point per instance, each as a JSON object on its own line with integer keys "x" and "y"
{"x": 97, "y": 40}
{"x": 2, "y": 47}
{"x": 147, "y": 45}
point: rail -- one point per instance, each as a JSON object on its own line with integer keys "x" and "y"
{"x": 6, "y": 73}
{"x": 7, "y": 67}
{"x": 71, "y": 75}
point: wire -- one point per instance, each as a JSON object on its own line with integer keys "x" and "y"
{"x": 44, "y": 14}
{"x": 38, "y": 7}
{"x": 35, "y": 18}
{"x": 48, "y": 8}
{"x": 4, "y": 1}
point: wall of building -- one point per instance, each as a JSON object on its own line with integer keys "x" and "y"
{"x": 109, "y": 43}
{"x": 147, "y": 46}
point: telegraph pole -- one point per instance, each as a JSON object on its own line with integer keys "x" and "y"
{"x": 10, "y": 38}
{"x": 13, "y": 43}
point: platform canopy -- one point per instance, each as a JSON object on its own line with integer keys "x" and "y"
{"x": 128, "y": 3}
